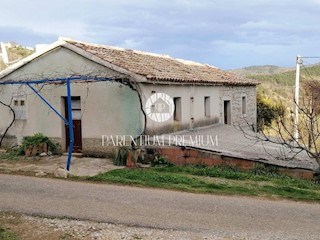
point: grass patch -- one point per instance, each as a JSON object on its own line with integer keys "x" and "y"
{"x": 6, "y": 235}
{"x": 161, "y": 179}
{"x": 220, "y": 180}
{"x": 12, "y": 154}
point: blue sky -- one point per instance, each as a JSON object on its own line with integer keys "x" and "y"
{"x": 224, "y": 33}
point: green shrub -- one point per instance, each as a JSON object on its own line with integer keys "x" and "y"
{"x": 36, "y": 140}
{"x": 12, "y": 154}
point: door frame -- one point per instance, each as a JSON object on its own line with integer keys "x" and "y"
{"x": 77, "y": 125}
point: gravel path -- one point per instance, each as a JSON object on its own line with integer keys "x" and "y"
{"x": 204, "y": 215}
{"x": 94, "y": 230}
{"x": 39, "y": 228}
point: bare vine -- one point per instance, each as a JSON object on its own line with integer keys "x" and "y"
{"x": 13, "y": 119}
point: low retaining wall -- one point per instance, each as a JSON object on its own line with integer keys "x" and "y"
{"x": 184, "y": 156}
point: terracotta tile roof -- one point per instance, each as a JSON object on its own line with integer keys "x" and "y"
{"x": 156, "y": 67}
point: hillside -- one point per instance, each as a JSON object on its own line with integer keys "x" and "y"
{"x": 260, "y": 70}
{"x": 279, "y": 85}
{"x": 287, "y": 78}
{"x": 15, "y": 52}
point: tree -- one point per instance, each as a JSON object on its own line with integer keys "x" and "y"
{"x": 275, "y": 125}
{"x": 267, "y": 112}
{"x": 310, "y": 109}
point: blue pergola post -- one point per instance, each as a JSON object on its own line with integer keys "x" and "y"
{"x": 71, "y": 135}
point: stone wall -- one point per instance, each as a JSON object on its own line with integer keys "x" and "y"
{"x": 235, "y": 94}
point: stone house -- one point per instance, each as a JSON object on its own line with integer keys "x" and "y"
{"x": 200, "y": 94}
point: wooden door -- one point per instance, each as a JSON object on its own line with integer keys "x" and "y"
{"x": 76, "y": 116}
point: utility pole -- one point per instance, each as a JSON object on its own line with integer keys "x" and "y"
{"x": 296, "y": 99}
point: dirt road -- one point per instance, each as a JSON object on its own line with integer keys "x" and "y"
{"x": 236, "y": 217}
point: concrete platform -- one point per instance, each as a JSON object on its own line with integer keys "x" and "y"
{"x": 79, "y": 167}
{"x": 233, "y": 142}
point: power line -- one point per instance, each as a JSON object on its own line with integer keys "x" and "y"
{"x": 309, "y": 57}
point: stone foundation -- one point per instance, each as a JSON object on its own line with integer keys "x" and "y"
{"x": 93, "y": 147}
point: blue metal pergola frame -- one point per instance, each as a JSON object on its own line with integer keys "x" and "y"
{"x": 68, "y": 122}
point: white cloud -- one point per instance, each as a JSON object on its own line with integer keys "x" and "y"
{"x": 261, "y": 25}
{"x": 217, "y": 32}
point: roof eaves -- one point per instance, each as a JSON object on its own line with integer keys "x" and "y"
{"x": 206, "y": 82}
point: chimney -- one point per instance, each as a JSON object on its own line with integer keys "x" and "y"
{"x": 41, "y": 47}
{"x": 4, "y": 54}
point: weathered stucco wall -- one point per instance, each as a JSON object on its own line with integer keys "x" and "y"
{"x": 107, "y": 108}
{"x": 192, "y": 105}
